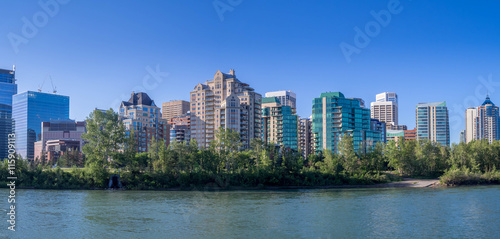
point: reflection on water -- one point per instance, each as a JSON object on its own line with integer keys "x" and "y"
{"x": 468, "y": 212}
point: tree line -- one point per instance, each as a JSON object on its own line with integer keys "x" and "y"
{"x": 109, "y": 150}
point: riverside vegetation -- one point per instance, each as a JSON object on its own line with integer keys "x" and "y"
{"x": 185, "y": 166}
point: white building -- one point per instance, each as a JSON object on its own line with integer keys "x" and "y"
{"x": 470, "y": 129}
{"x": 385, "y": 108}
{"x": 286, "y": 97}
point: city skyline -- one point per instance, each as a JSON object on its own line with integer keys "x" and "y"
{"x": 405, "y": 57}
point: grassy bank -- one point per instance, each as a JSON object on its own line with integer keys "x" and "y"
{"x": 86, "y": 178}
{"x": 464, "y": 176}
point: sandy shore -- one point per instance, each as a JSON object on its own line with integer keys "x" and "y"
{"x": 412, "y": 183}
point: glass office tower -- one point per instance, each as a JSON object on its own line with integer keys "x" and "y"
{"x": 8, "y": 88}
{"x": 29, "y": 110}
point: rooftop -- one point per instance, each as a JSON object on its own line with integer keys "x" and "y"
{"x": 487, "y": 101}
{"x": 441, "y": 103}
{"x": 332, "y": 94}
{"x": 267, "y": 100}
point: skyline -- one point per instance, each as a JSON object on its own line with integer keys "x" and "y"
{"x": 109, "y": 57}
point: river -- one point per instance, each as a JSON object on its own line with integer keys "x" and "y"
{"x": 461, "y": 212}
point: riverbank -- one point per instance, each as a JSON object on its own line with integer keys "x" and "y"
{"x": 405, "y": 183}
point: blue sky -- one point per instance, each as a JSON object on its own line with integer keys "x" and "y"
{"x": 96, "y": 52}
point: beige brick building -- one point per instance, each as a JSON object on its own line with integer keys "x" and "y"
{"x": 174, "y": 109}
{"x": 141, "y": 114}
{"x": 226, "y": 102}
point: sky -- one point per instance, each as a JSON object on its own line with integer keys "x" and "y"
{"x": 98, "y": 52}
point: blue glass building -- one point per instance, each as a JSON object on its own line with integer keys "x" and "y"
{"x": 335, "y": 116}
{"x": 8, "y": 88}
{"x": 29, "y": 110}
{"x": 279, "y": 123}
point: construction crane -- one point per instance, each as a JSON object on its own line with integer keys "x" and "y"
{"x": 54, "y": 89}
{"x": 40, "y": 86}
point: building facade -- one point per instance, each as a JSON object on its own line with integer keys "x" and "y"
{"x": 395, "y": 135}
{"x": 486, "y": 122}
{"x": 62, "y": 135}
{"x": 462, "y": 136}
{"x": 410, "y": 134}
{"x": 387, "y": 96}
{"x": 173, "y": 109}
{"x": 141, "y": 115}
{"x": 379, "y": 129}
{"x": 225, "y": 102}
{"x": 305, "y": 137}
{"x": 279, "y": 123}
{"x": 286, "y": 97}
{"x": 8, "y": 88}
{"x": 433, "y": 122}
{"x": 29, "y": 110}
{"x": 180, "y": 128}
{"x": 385, "y": 109}
{"x": 470, "y": 125}
{"x": 335, "y": 116}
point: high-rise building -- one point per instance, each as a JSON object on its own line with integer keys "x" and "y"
{"x": 462, "y": 136}
{"x": 141, "y": 114}
{"x": 470, "y": 126}
{"x": 29, "y": 110}
{"x": 305, "y": 137}
{"x": 361, "y": 102}
{"x": 279, "y": 123}
{"x": 173, "y": 109}
{"x": 180, "y": 128}
{"x": 486, "y": 122}
{"x": 385, "y": 109}
{"x": 433, "y": 122}
{"x": 286, "y": 97}
{"x": 378, "y": 126}
{"x": 58, "y": 136}
{"x": 8, "y": 88}
{"x": 225, "y": 102}
{"x": 387, "y": 96}
{"x": 335, "y": 116}
{"x": 396, "y": 127}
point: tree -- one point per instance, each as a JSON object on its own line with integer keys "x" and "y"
{"x": 105, "y": 137}
{"x": 227, "y": 142}
{"x": 349, "y": 158}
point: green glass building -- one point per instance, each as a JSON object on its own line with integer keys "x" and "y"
{"x": 279, "y": 123}
{"x": 334, "y": 116}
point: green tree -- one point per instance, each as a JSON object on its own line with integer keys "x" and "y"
{"x": 227, "y": 143}
{"x": 104, "y": 138}
{"x": 350, "y": 160}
